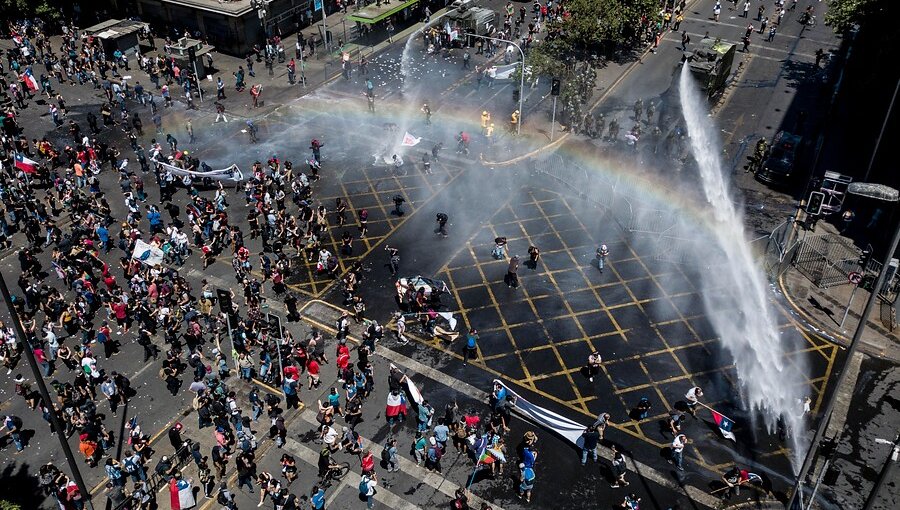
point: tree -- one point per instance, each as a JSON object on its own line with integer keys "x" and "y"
{"x": 47, "y": 10}
{"x": 592, "y": 23}
{"x": 587, "y": 27}
{"x": 844, "y": 14}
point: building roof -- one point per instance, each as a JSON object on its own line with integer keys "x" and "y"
{"x": 115, "y": 28}
{"x": 234, "y": 8}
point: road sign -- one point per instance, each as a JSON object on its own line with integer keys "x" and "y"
{"x": 855, "y": 278}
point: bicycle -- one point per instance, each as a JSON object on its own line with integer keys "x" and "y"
{"x": 335, "y": 473}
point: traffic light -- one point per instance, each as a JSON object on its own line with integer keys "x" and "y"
{"x": 864, "y": 257}
{"x": 192, "y": 54}
{"x": 814, "y": 205}
{"x": 868, "y": 282}
{"x": 554, "y": 87}
{"x": 275, "y": 330}
{"x": 515, "y": 95}
{"x": 227, "y": 307}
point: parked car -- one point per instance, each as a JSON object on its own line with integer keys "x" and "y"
{"x": 779, "y": 164}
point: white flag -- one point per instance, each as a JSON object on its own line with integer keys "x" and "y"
{"x": 410, "y": 140}
{"x": 150, "y": 255}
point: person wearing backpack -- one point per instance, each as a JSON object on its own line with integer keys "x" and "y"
{"x": 367, "y": 489}
{"x": 225, "y": 497}
{"x": 134, "y": 467}
{"x": 389, "y": 455}
{"x": 433, "y": 455}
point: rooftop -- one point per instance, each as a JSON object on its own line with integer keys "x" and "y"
{"x": 229, "y": 7}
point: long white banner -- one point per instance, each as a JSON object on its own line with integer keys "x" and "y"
{"x": 232, "y": 173}
{"x": 560, "y": 424}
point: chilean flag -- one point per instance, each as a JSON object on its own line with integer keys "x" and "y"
{"x": 181, "y": 494}
{"x": 26, "y": 165}
{"x": 30, "y": 81}
{"x": 396, "y": 404}
{"x": 725, "y": 425}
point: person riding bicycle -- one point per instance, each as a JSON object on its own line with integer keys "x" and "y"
{"x": 326, "y": 463}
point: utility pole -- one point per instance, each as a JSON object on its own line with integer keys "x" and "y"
{"x": 324, "y": 25}
{"x": 796, "y": 501}
{"x": 887, "y": 117}
{"x": 45, "y": 395}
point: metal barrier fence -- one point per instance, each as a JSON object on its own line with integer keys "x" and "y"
{"x": 826, "y": 260}
{"x": 155, "y": 481}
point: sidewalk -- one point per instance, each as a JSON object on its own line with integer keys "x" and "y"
{"x": 823, "y": 309}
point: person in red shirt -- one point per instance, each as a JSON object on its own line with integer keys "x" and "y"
{"x": 312, "y": 369}
{"x": 120, "y": 310}
{"x": 342, "y": 357}
{"x": 367, "y": 463}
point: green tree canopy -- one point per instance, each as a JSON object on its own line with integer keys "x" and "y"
{"x": 595, "y": 22}
{"x": 843, "y": 14}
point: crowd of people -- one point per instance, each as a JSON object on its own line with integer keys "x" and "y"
{"x": 83, "y": 291}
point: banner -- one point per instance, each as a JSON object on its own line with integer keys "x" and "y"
{"x": 560, "y": 424}
{"x": 410, "y": 140}
{"x": 148, "y": 254}
{"x": 232, "y": 173}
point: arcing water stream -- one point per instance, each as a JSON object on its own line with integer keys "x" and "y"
{"x": 736, "y": 295}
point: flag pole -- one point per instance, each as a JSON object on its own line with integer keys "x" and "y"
{"x": 714, "y": 411}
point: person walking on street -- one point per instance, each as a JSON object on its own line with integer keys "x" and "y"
{"x": 593, "y": 365}
{"x": 441, "y": 219}
{"x": 602, "y": 254}
{"x": 512, "y": 273}
{"x": 367, "y": 489}
{"x": 685, "y": 40}
{"x": 618, "y": 468}
{"x": 220, "y": 89}
{"x": 471, "y": 348}
{"x": 677, "y": 447}
{"x": 389, "y": 455}
{"x": 591, "y": 439}
{"x": 220, "y": 112}
{"x": 601, "y": 423}
{"x": 393, "y": 259}
{"x": 693, "y": 398}
{"x": 189, "y": 127}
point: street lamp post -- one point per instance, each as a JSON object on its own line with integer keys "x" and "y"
{"x": 45, "y": 395}
{"x": 887, "y": 194}
{"x": 885, "y": 471}
{"x": 521, "y": 78}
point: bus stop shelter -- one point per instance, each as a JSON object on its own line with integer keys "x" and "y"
{"x": 372, "y": 13}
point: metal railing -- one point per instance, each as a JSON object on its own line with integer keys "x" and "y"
{"x": 155, "y": 481}
{"x": 826, "y": 260}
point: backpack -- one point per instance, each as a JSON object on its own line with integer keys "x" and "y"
{"x": 385, "y": 454}
{"x": 364, "y": 486}
{"x": 221, "y": 499}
